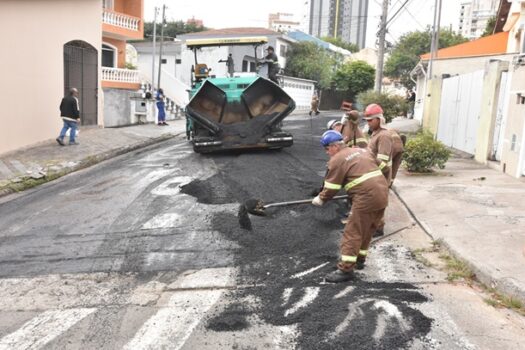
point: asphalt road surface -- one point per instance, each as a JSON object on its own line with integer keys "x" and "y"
{"x": 145, "y": 252}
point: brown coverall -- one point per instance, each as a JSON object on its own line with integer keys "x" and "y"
{"x": 356, "y": 170}
{"x": 397, "y": 153}
{"x": 380, "y": 145}
{"x": 352, "y": 135}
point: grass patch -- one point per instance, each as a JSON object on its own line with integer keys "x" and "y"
{"x": 418, "y": 255}
{"x": 457, "y": 269}
{"x": 500, "y": 301}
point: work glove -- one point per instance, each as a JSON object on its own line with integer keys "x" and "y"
{"x": 317, "y": 201}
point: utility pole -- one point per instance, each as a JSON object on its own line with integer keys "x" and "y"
{"x": 434, "y": 46}
{"x": 153, "y": 50}
{"x": 161, "y": 42}
{"x": 381, "y": 48}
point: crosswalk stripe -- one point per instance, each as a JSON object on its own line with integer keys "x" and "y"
{"x": 43, "y": 328}
{"x": 171, "y": 326}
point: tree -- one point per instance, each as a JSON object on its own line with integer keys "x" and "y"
{"x": 489, "y": 29}
{"x": 405, "y": 54}
{"x": 355, "y": 77}
{"x": 340, "y": 43}
{"x": 171, "y": 29}
{"x": 307, "y": 60}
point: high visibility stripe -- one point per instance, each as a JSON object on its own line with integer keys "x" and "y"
{"x": 361, "y": 139}
{"x": 363, "y": 252}
{"x": 382, "y": 165}
{"x": 348, "y": 258}
{"x": 363, "y": 178}
{"x": 332, "y": 186}
{"x": 384, "y": 157}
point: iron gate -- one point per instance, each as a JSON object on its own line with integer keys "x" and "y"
{"x": 81, "y": 72}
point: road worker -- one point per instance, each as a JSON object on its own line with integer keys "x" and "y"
{"x": 349, "y": 128}
{"x": 398, "y": 147}
{"x": 355, "y": 170}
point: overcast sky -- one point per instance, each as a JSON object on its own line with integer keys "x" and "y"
{"x": 242, "y": 13}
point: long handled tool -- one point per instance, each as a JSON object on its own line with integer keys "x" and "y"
{"x": 257, "y": 207}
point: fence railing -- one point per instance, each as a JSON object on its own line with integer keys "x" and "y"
{"x": 120, "y": 20}
{"x": 120, "y": 75}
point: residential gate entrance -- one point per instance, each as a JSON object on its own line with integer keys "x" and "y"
{"x": 81, "y": 72}
{"x": 459, "y": 111}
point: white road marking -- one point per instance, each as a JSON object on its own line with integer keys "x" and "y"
{"x": 163, "y": 221}
{"x": 344, "y": 292}
{"x": 383, "y": 320}
{"x": 310, "y": 294}
{"x": 287, "y": 293}
{"x": 304, "y": 273}
{"x": 354, "y": 312}
{"x": 42, "y": 329}
{"x": 172, "y": 325}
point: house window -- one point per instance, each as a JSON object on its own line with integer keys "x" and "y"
{"x": 244, "y": 66}
{"x": 252, "y": 66}
{"x": 109, "y": 56}
{"x": 513, "y": 142}
{"x": 282, "y": 50}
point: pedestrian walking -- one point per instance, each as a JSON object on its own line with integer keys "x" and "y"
{"x": 70, "y": 114}
{"x": 314, "y": 104}
{"x": 161, "y": 108}
{"x": 380, "y": 145}
{"x": 356, "y": 171}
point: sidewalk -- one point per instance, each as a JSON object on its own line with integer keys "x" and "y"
{"x": 478, "y": 213}
{"x": 47, "y": 160}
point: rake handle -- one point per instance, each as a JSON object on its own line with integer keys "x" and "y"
{"x": 302, "y": 201}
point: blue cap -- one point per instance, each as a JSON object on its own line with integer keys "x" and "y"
{"x": 330, "y": 137}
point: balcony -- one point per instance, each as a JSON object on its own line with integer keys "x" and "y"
{"x": 120, "y": 78}
{"x": 120, "y": 25}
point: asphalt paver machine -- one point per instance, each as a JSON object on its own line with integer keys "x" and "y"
{"x": 239, "y": 111}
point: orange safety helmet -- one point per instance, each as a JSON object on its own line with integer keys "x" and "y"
{"x": 373, "y": 109}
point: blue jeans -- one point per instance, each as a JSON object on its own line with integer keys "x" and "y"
{"x": 72, "y": 133}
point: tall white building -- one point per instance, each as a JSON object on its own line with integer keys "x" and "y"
{"x": 475, "y": 15}
{"x": 345, "y": 19}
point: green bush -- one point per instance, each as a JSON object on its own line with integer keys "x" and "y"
{"x": 422, "y": 153}
{"x": 393, "y": 105}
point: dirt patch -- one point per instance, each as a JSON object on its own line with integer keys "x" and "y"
{"x": 210, "y": 191}
{"x": 231, "y": 319}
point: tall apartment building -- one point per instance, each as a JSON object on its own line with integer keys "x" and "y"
{"x": 345, "y": 19}
{"x": 475, "y": 15}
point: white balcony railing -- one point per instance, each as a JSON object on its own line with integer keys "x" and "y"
{"x": 120, "y": 20}
{"x": 120, "y": 75}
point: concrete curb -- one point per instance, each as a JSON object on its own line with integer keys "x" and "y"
{"x": 504, "y": 285}
{"x": 93, "y": 159}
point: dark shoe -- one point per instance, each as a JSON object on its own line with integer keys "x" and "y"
{"x": 339, "y": 276}
{"x": 310, "y": 113}
{"x": 360, "y": 264}
{"x": 379, "y": 232}
{"x": 164, "y": 123}
{"x": 74, "y": 143}
{"x": 60, "y": 142}
{"x": 317, "y": 113}
{"x": 160, "y": 124}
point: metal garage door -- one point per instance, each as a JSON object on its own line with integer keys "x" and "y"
{"x": 459, "y": 111}
{"x": 81, "y": 71}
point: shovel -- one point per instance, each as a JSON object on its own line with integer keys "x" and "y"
{"x": 257, "y": 206}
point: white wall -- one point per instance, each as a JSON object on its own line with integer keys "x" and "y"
{"x": 33, "y": 36}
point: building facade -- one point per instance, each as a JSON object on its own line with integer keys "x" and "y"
{"x": 56, "y": 45}
{"x": 474, "y": 16}
{"x": 344, "y": 19}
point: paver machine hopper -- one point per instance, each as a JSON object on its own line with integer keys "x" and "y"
{"x": 240, "y": 111}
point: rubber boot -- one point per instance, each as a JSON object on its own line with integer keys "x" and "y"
{"x": 339, "y": 276}
{"x": 379, "y": 232}
{"x": 360, "y": 263}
